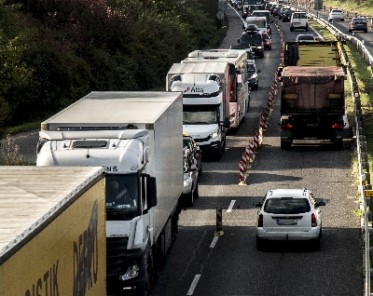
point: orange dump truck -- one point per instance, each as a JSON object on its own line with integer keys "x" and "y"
{"x": 312, "y": 94}
{"x": 52, "y": 231}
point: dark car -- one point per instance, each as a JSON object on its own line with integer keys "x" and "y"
{"x": 253, "y": 40}
{"x": 252, "y": 74}
{"x": 251, "y": 28}
{"x": 286, "y": 15}
{"x": 358, "y": 24}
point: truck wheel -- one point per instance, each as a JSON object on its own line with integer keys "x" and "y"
{"x": 143, "y": 288}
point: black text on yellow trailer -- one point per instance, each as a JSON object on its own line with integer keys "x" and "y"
{"x": 52, "y": 231}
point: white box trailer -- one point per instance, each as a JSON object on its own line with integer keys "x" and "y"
{"x": 138, "y": 138}
{"x": 52, "y": 231}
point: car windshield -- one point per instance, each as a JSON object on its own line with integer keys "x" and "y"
{"x": 287, "y": 205}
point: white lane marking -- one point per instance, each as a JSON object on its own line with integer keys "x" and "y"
{"x": 194, "y": 284}
{"x": 231, "y": 206}
{"x": 214, "y": 241}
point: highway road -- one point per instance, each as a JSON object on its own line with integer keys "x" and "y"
{"x": 202, "y": 263}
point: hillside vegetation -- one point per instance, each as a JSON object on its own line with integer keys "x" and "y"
{"x": 54, "y": 52}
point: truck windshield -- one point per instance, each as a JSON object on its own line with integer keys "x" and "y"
{"x": 122, "y": 196}
{"x": 195, "y": 114}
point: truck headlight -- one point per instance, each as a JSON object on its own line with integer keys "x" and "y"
{"x": 132, "y": 272}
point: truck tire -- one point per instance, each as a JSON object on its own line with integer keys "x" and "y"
{"x": 143, "y": 288}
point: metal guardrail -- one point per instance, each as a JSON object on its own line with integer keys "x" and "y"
{"x": 361, "y": 149}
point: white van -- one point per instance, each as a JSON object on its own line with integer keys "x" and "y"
{"x": 260, "y": 21}
{"x": 299, "y": 20}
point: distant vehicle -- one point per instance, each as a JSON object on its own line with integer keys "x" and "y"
{"x": 263, "y": 12}
{"x": 191, "y": 175}
{"x": 191, "y": 144}
{"x": 306, "y": 38}
{"x": 267, "y": 41}
{"x": 358, "y": 24}
{"x": 239, "y": 5}
{"x": 299, "y": 20}
{"x": 251, "y": 27}
{"x": 289, "y": 215}
{"x": 281, "y": 12}
{"x": 249, "y": 8}
{"x": 336, "y": 14}
{"x": 253, "y": 77}
{"x": 286, "y": 15}
{"x": 253, "y": 40}
{"x": 261, "y": 22}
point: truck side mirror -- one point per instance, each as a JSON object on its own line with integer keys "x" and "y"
{"x": 150, "y": 191}
{"x": 226, "y": 122}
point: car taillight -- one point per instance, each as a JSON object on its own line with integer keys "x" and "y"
{"x": 260, "y": 220}
{"x": 287, "y": 125}
{"x": 337, "y": 126}
{"x": 313, "y": 220}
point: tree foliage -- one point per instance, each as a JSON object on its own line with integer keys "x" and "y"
{"x": 54, "y": 52}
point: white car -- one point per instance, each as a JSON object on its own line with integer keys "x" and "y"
{"x": 336, "y": 14}
{"x": 299, "y": 20}
{"x": 289, "y": 215}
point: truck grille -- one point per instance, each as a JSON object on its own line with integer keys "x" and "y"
{"x": 116, "y": 249}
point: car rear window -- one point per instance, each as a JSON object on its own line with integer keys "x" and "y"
{"x": 287, "y": 205}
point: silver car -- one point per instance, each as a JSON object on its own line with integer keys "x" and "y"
{"x": 289, "y": 215}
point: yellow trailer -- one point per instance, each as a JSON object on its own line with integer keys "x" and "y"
{"x": 52, "y": 231}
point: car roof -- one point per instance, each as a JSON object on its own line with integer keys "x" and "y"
{"x": 294, "y": 193}
{"x": 336, "y": 10}
{"x": 359, "y": 18}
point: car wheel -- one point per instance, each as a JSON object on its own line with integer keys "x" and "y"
{"x": 256, "y": 87}
{"x": 196, "y": 193}
{"x": 285, "y": 144}
{"x": 365, "y": 30}
{"x": 190, "y": 200}
{"x": 291, "y": 29}
{"x": 260, "y": 244}
{"x": 316, "y": 244}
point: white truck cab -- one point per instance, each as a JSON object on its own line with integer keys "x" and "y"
{"x": 205, "y": 102}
